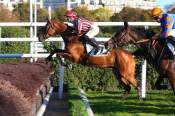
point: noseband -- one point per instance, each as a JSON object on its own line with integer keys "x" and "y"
{"x": 49, "y": 26}
{"x": 119, "y": 40}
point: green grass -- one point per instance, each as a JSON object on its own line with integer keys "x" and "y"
{"x": 157, "y": 103}
{"x": 76, "y": 105}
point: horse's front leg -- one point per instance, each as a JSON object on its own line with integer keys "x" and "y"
{"x": 62, "y": 61}
{"x": 53, "y": 52}
{"x": 158, "y": 83}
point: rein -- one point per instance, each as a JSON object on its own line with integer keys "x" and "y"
{"x": 142, "y": 41}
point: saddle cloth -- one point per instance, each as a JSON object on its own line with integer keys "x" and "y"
{"x": 90, "y": 50}
{"x": 171, "y": 48}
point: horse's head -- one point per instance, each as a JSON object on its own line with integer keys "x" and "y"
{"x": 124, "y": 36}
{"x": 51, "y": 28}
{"x": 129, "y": 36}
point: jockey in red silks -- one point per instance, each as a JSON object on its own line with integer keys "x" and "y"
{"x": 83, "y": 26}
{"x": 167, "y": 22}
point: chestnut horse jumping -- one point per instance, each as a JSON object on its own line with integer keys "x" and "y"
{"x": 152, "y": 50}
{"x": 119, "y": 60}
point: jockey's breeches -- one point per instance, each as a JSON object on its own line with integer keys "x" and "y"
{"x": 172, "y": 33}
{"x": 94, "y": 30}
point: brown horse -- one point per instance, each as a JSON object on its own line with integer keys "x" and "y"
{"x": 153, "y": 50}
{"x": 119, "y": 60}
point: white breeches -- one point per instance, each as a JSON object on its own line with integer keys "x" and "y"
{"x": 94, "y": 30}
{"x": 172, "y": 33}
{"x": 170, "y": 46}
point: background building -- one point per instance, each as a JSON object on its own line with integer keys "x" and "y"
{"x": 114, "y": 5}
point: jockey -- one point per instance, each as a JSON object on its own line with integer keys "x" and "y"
{"x": 167, "y": 22}
{"x": 83, "y": 26}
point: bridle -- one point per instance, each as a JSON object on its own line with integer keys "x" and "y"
{"x": 48, "y": 27}
{"x": 120, "y": 41}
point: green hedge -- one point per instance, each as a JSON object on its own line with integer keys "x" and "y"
{"x": 13, "y": 47}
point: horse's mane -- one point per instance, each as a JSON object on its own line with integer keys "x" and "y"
{"x": 141, "y": 34}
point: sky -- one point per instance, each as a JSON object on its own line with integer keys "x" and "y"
{"x": 163, "y": 3}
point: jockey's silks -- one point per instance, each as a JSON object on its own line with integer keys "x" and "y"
{"x": 167, "y": 24}
{"x": 82, "y": 25}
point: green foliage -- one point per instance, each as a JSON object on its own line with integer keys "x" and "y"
{"x": 23, "y": 11}
{"x": 102, "y": 14}
{"x": 14, "y": 32}
{"x": 90, "y": 78}
{"x": 59, "y": 13}
{"x": 84, "y": 12}
{"x": 131, "y": 14}
{"x": 42, "y": 15}
{"x": 14, "y": 47}
{"x": 152, "y": 76}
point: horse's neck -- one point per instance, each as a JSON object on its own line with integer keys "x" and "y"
{"x": 147, "y": 50}
{"x": 70, "y": 38}
{"x": 136, "y": 38}
{"x": 60, "y": 27}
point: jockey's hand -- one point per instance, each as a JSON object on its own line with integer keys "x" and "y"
{"x": 74, "y": 32}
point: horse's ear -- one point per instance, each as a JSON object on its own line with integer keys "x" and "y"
{"x": 49, "y": 20}
{"x": 126, "y": 24}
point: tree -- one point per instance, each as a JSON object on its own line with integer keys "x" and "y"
{"x": 83, "y": 11}
{"x": 23, "y": 11}
{"x": 42, "y": 15}
{"x": 102, "y": 14}
{"x": 7, "y": 16}
{"x": 131, "y": 14}
{"x": 59, "y": 13}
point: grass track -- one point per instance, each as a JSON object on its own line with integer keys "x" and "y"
{"x": 157, "y": 103}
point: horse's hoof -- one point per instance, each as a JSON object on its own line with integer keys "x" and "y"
{"x": 140, "y": 99}
{"x": 49, "y": 58}
{"x": 124, "y": 97}
{"x": 70, "y": 66}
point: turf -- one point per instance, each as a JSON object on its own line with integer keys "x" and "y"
{"x": 156, "y": 103}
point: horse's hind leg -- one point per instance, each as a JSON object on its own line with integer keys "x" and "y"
{"x": 126, "y": 87}
{"x": 135, "y": 84}
{"x": 172, "y": 82}
{"x": 122, "y": 82}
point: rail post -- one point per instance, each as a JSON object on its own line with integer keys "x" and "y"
{"x": 143, "y": 79}
{"x": 31, "y": 29}
{"x": 61, "y": 77}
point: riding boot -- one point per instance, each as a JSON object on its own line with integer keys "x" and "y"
{"x": 171, "y": 40}
{"x": 93, "y": 43}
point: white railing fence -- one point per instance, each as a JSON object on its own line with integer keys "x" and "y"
{"x": 34, "y": 40}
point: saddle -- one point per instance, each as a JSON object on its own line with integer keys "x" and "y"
{"x": 90, "y": 49}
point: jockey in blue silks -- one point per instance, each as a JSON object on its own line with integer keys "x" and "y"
{"x": 167, "y": 27}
